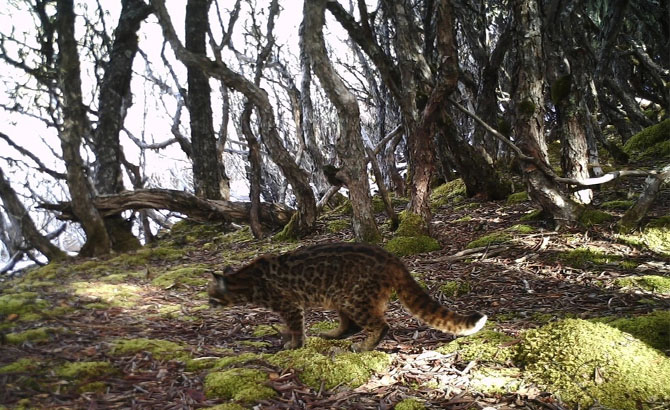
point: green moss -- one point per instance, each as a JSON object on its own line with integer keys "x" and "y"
{"x": 655, "y": 236}
{"x": 227, "y": 361}
{"x": 411, "y": 225}
{"x": 533, "y": 216}
{"x": 495, "y": 238}
{"x": 485, "y": 346}
{"x": 466, "y": 218}
{"x": 21, "y": 303}
{"x": 226, "y": 406}
{"x": 496, "y": 380}
{"x": 345, "y": 208}
{"x": 592, "y": 217}
{"x": 93, "y": 387}
{"x": 23, "y": 365}
{"x": 123, "y": 277}
{"x": 338, "y": 225}
{"x": 651, "y": 283}
{"x": 651, "y": 142}
{"x": 455, "y": 288}
{"x": 245, "y": 385}
{"x": 53, "y": 270}
{"x": 582, "y": 362}
{"x": 452, "y": 191}
{"x": 526, "y": 108}
{"x": 617, "y": 205}
{"x": 160, "y": 349}
{"x": 326, "y": 361}
{"x": 189, "y": 275}
{"x": 560, "y": 89}
{"x": 653, "y": 328}
{"x": 406, "y": 245}
{"x": 520, "y": 228}
{"x": 264, "y": 330}
{"x": 85, "y": 370}
{"x": 253, "y": 343}
{"x": 517, "y": 198}
{"x": 237, "y": 237}
{"x": 410, "y": 404}
{"x": 199, "y": 363}
{"x": 289, "y": 233}
{"x": 37, "y": 335}
{"x": 324, "y": 326}
{"x": 120, "y": 295}
{"x": 582, "y": 258}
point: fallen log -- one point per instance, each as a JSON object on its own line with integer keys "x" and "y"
{"x": 273, "y": 216}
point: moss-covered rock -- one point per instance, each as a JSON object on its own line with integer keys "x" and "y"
{"x": 245, "y": 385}
{"x": 495, "y": 238}
{"x": 619, "y": 205}
{"x": 653, "y": 328}
{"x": 651, "y": 142}
{"x": 410, "y": 237}
{"x": 338, "y": 225}
{"x": 582, "y": 258}
{"x": 517, "y": 198}
{"x": 160, "y": 349}
{"x": 651, "y": 283}
{"x": 485, "y": 346}
{"x": 327, "y": 361}
{"x": 591, "y": 217}
{"x": 452, "y": 191}
{"x": 655, "y": 236}
{"x": 407, "y": 245}
{"x": 582, "y": 362}
{"x": 185, "y": 275}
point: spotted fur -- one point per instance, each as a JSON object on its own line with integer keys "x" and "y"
{"x": 354, "y": 279}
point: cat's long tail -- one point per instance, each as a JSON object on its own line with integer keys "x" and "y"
{"x": 421, "y": 305}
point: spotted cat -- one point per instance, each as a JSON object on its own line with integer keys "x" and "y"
{"x": 354, "y": 279}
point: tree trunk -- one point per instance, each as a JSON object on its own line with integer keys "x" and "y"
{"x": 114, "y": 100}
{"x": 75, "y": 125}
{"x": 297, "y": 177}
{"x": 529, "y": 115}
{"x": 631, "y": 219}
{"x": 206, "y": 164}
{"x": 272, "y": 216}
{"x": 14, "y": 207}
{"x": 349, "y": 145}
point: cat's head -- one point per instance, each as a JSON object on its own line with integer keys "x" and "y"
{"x": 228, "y": 289}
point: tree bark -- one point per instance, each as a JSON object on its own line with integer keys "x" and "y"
{"x": 14, "y": 207}
{"x": 297, "y": 177}
{"x": 529, "y": 115}
{"x": 75, "y": 125}
{"x": 273, "y": 216}
{"x": 114, "y": 100}
{"x": 207, "y": 176}
{"x": 349, "y": 145}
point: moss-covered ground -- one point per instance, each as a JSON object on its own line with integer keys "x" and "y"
{"x": 570, "y": 314}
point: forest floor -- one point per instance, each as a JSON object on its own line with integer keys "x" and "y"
{"x": 135, "y": 331}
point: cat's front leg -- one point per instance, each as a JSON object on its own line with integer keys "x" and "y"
{"x": 293, "y": 316}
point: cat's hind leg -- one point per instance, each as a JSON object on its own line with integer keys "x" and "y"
{"x": 346, "y": 328}
{"x": 376, "y": 328}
